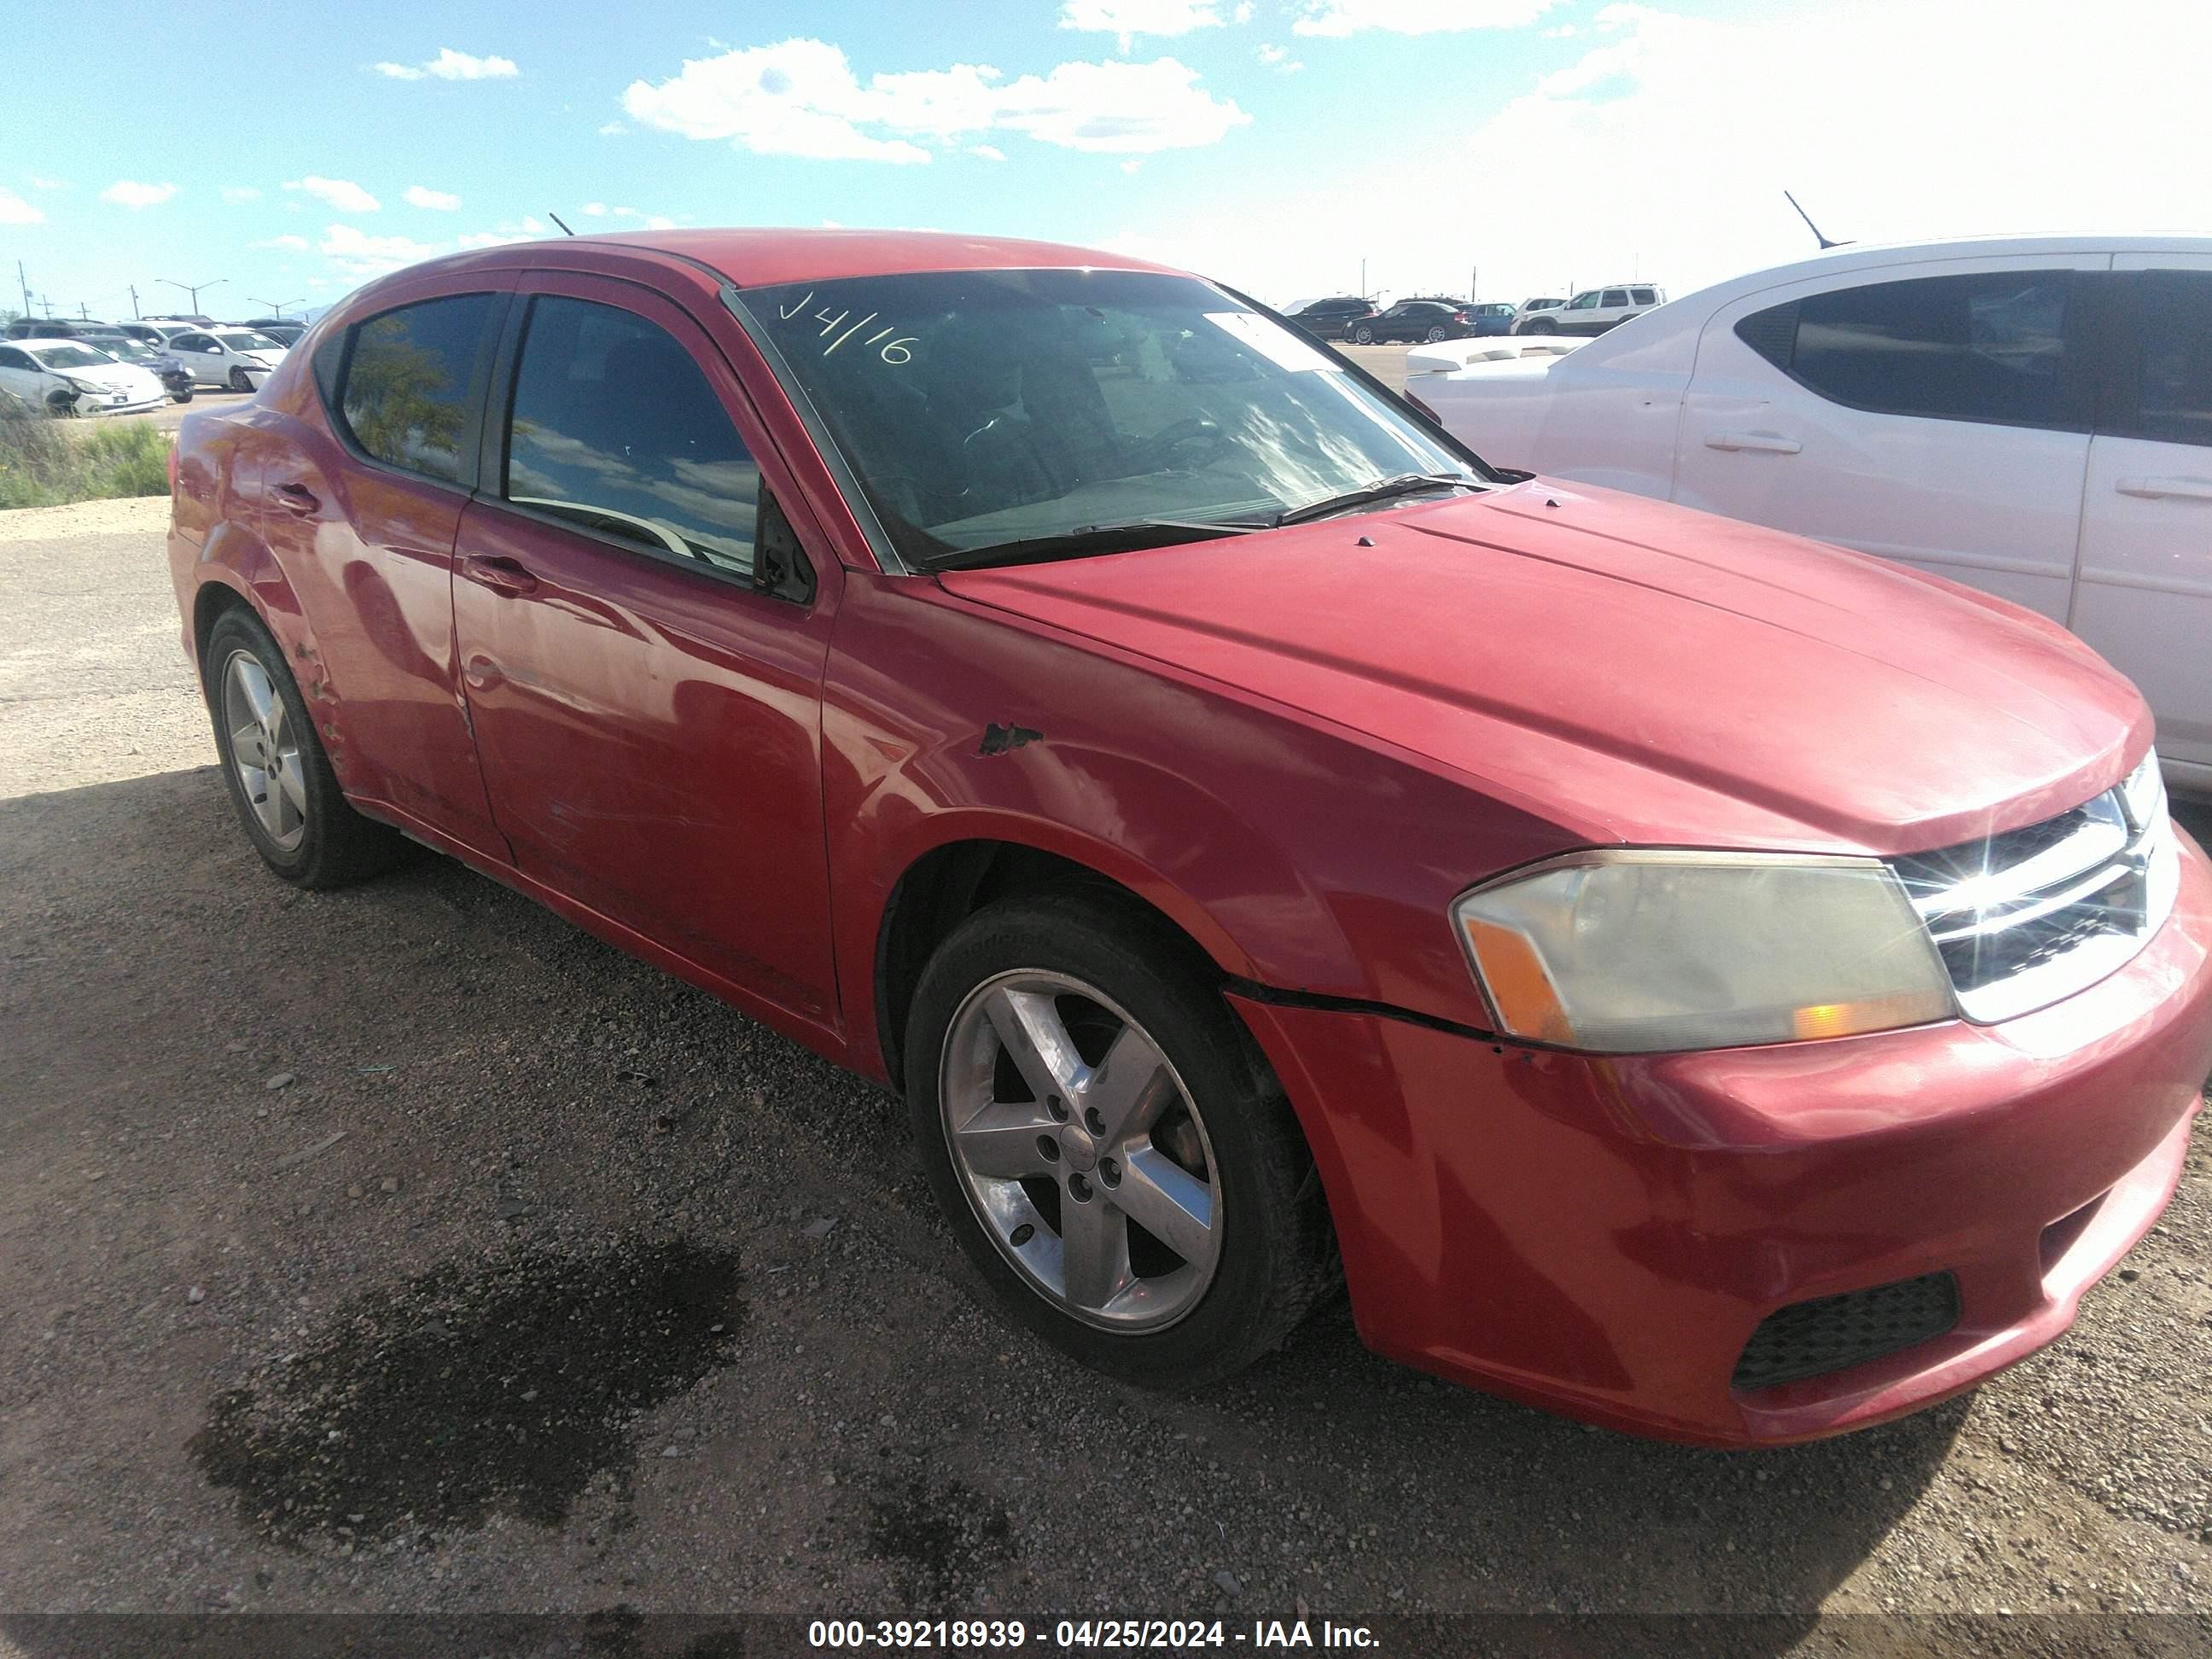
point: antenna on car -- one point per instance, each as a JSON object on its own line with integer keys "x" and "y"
{"x": 1826, "y": 244}
{"x": 565, "y": 231}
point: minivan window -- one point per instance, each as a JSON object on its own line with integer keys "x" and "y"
{"x": 404, "y": 395}
{"x": 1615, "y": 297}
{"x": 1987, "y": 347}
{"x": 615, "y": 429}
{"x": 2175, "y": 324}
{"x": 1643, "y": 296}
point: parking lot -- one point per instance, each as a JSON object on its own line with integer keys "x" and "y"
{"x": 403, "y": 1248}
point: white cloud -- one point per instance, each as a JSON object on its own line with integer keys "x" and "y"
{"x": 529, "y": 228}
{"x": 1337, "y": 17}
{"x": 129, "y": 192}
{"x": 15, "y": 210}
{"x": 236, "y": 193}
{"x": 451, "y": 65}
{"x": 1133, "y": 164}
{"x": 37, "y": 183}
{"x": 1279, "y": 58}
{"x": 988, "y": 152}
{"x": 293, "y": 243}
{"x": 360, "y": 254}
{"x": 340, "y": 193}
{"x": 1243, "y": 12}
{"x": 612, "y": 130}
{"x": 801, "y": 97}
{"x": 595, "y": 209}
{"x": 1127, "y": 19}
{"x": 437, "y": 201}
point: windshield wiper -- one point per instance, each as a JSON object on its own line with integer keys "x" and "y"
{"x": 1091, "y": 538}
{"x": 1383, "y": 489}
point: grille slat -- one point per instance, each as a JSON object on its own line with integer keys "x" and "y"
{"x": 1832, "y": 1333}
{"x": 2027, "y": 917}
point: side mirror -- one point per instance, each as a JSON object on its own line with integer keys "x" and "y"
{"x": 780, "y": 564}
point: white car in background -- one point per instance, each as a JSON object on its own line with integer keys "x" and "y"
{"x": 70, "y": 377}
{"x": 2030, "y": 415}
{"x": 227, "y": 356}
{"x": 1593, "y": 310}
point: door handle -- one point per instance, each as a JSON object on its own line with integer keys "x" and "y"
{"x": 2198, "y": 490}
{"x": 297, "y": 499}
{"x": 499, "y": 574}
{"x": 1767, "y": 443}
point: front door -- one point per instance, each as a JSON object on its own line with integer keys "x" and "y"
{"x": 2144, "y": 599}
{"x": 1942, "y": 420}
{"x": 649, "y": 721}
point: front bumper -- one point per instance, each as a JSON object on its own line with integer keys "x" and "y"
{"x": 1602, "y": 1236}
{"x": 102, "y": 402}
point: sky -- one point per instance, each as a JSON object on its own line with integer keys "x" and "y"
{"x": 1290, "y": 147}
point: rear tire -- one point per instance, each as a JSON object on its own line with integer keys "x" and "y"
{"x": 184, "y": 396}
{"x": 1364, "y": 336}
{"x": 1435, "y": 335}
{"x": 1196, "y": 1291}
{"x": 280, "y": 780}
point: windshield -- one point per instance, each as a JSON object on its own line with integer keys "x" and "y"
{"x": 70, "y": 356}
{"x": 984, "y": 407}
{"x": 246, "y": 339}
{"x": 125, "y": 348}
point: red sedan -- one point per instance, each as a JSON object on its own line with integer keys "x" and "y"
{"x": 1685, "y": 977}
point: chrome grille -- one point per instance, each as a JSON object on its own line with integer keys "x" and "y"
{"x": 2027, "y": 917}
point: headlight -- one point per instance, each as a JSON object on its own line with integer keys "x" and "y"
{"x": 1628, "y": 952}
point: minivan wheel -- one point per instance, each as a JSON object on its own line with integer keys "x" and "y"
{"x": 1364, "y": 335}
{"x": 1097, "y": 1135}
{"x": 280, "y": 780}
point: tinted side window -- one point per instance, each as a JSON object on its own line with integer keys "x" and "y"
{"x": 405, "y": 393}
{"x": 192, "y": 343}
{"x": 1615, "y": 297}
{"x": 1582, "y": 301}
{"x": 1987, "y": 347}
{"x": 615, "y": 428}
{"x": 1643, "y": 296}
{"x": 10, "y": 358}
{"x": 2175, "y": 324}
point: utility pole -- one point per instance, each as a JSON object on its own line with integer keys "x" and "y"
{"x": 23, "y": 283}
{"x": 134, "y": 301}
{"x": 84, "y": 311}
{"x": 275, "y": 309}
{"x": 193, "y": 288}
{"x": 1362, "y": 279}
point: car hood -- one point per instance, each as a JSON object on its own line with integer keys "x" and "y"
{"x": 1634, "y": 671}
{"x": 113, "y": 377}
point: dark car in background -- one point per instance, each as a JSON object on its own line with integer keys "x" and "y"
{"x": 1423, "y": 316}
{"x": 1330, "y": 319}
{"x": 286, "y": 331}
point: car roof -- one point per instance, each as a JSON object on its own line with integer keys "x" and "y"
{"x": 1873, "y": 256}
{"x": 761, "y": 257}
{"x": 44, "y": 340}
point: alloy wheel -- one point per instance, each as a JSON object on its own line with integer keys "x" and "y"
{"x": 264, "y": 751}
{"x": 1080, "y": 1151}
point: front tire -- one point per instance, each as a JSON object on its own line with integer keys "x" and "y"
{"x": 1542, "y": 326}
{"x": 280, "y": 780}
{"x": 240, "y": 381}
{"x": 1113, "y": 1158}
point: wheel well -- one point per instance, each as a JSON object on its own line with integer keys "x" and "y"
{"x": 213, "y": 599}
{"x": 948, "y": 885}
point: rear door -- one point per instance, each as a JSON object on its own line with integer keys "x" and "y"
{"x": 361, "y": 516}
{"x": 2144, "y": 596}
{"x": 647, "y": 716}
{"x": 1940, "y": 418}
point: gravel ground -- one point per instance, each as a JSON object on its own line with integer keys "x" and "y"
{"x": 403, "y": 1249}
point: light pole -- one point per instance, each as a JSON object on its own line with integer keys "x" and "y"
{"x": 275, "y": 310}
{"x": 193, "y": 288}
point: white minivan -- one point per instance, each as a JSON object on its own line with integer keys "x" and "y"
{"x": 2029, "y": 416}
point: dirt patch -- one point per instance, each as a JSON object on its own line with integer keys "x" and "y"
{"x": 502, "y": 1386}
{"x": 938, "y": 1537}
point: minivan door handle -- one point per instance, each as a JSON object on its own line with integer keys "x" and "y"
{"x": 2157, "y": 488}
{"x": 500, "y": 574}
{"x": 1767, "y": 442}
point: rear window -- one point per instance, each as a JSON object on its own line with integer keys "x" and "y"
{"x": 405, "y": 388}
{"x": 1643, "y": 296}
